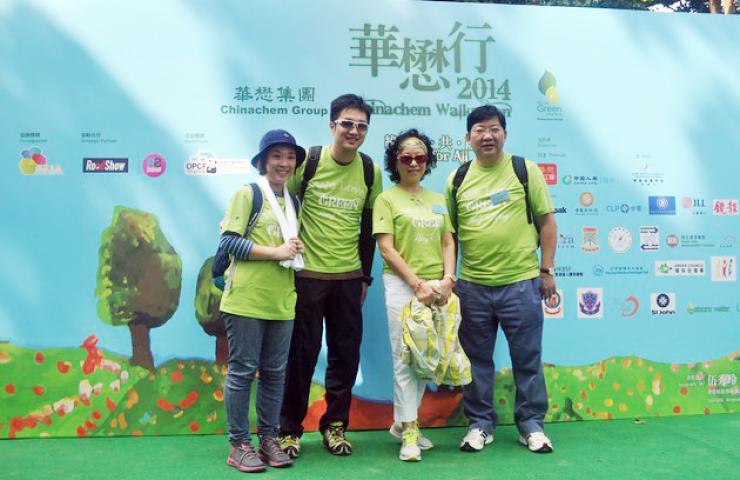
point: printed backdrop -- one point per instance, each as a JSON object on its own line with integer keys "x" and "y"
{"x": 126, "y": 126}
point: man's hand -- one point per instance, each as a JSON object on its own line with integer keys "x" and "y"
{"x": 363, "y": 295}
{"x": 547, "y": 286}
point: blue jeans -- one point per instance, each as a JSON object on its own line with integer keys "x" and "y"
{"x": 518, "y": 309}
{"x": 255, "y": 344}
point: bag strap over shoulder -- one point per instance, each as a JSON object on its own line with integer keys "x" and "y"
{"x": 312, "y": 163}
{"x": 457, "y": 180}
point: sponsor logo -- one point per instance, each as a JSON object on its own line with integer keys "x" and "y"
{"x": 620, "y": 239}
{"x": 589, "y": 303}
{"x": 624, "y": 208}
{"x": 204, "y": 162}
{"x": 567, "y": 180}
{"x": 724, "y": 207}
{"x": 590, "y": 242}
{"x": 560, "y": 210}
{"x": 105, "y": 165}
{"x": 724, "y": 269}
{"x": 566, "y": 242}
{"x": 649, "y": 238}
{"x": 548, "y": 87}
{"x": 646, "y": 177}
{"x": 696, "y": 206}
{"x": 695, "y": 241}
{"x": 553, "y": 306}
{"x": 629, "y": 306}
{"x": 154, "y": 165}
{"x": 550, "y": 171}
{"x": 679, "y": 268}
{"x": 600, "y": 270}
{"x": 662, "y": 205}
{"x": 671, "y": 240}
{"x": 663, "y": 303}
{"x": 692, "y": 309}
{"x": 728, "y": 242}
{"x": 586, "y": 199}
{"x": 566, "y": 271}
{"x": 34, "y": 162}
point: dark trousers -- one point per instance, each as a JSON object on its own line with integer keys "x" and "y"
{"x": 338, "y": 302}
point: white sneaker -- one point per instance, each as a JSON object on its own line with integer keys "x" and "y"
{"x": 410, "y": 451}
{"x": 475, "y": 440}
{"x": 537, "y": 442}
{"x": 397, "y": 431}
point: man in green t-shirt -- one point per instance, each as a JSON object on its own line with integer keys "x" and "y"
{"x": 502, "y": 281}
{"x": 336, "y": 229}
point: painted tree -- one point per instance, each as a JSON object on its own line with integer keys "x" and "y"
{"x": 207, "y": 301}
{"x": 139, "y": 278}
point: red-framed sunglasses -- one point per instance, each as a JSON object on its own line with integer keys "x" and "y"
{"x": 406, "y": 159}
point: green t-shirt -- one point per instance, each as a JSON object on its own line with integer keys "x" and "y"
{"x": 257, "y": 288}
{"x": 331, "y": 211}
{"x": 417, "y": 223}
{"x": 497, "y": 245}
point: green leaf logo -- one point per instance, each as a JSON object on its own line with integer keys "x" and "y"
{"x": 547, "y": 86}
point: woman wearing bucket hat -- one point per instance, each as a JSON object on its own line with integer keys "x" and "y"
{"x": 414, "y": 235}
{"x": 258, "y": 303}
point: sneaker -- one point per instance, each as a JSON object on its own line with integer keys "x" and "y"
{"x": 410, "y": 451}
{"x": 273, "y": 455}
{"x": 537, "y": 442}
{"x": 290, "y": 444}
{"x": 244, "y": 458}
{"x": 335, "y": 441}
{"x": 397, "y": 431}
{"x": 475, "y": 440}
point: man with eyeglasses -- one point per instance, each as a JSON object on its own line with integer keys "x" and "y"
{"x": 502, "y": 209}
{"x": 338, "y": 186}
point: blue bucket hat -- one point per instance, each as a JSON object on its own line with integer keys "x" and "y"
{"x": 279, "y": 137}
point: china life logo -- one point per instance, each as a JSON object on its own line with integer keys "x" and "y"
{"x": 549, "y": 110}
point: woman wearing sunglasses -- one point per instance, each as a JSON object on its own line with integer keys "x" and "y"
{"x": 414, "y": 235}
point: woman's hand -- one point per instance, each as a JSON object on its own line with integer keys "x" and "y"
{"x": 424, "y": 293}
{"x": 289, "y": 249}
{"x": 443, "y": 291}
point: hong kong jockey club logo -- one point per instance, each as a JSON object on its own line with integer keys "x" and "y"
{"x": 589, "y": 303}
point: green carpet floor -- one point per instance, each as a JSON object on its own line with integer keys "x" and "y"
{"x": 692, "y": 447}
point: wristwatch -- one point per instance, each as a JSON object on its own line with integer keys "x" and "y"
{"x": 451, "y": 276}
{"x": 550, "y": 271}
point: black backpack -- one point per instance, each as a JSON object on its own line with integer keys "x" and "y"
{"x": 520, "y": 169}
{"x": 222, "y": 261}
{"x": 312, "y": 163}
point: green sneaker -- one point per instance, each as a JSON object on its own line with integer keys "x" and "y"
{"x": 290, "y": 444}
{"x": 335, "y": 441}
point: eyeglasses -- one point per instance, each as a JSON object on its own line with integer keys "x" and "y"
{"x": 350, "y": 124}
{"x": 406, "y": 159}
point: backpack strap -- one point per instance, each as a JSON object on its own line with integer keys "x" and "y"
{"x": 254, "y": 214}
{"x": 520, "y": 169}
{"x": 369, "y": 171}
{"x": 457, "y": 180}
{"x": 312, "y": 162}
{"x": 296, "y": 203}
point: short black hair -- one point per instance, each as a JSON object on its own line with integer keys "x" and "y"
{"x": 483, "y": 113}
{"x": 349, "y": 100}
{"x": 391, "y": 153}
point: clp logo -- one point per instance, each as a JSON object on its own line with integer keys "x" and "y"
{"x": 154, "y": 165}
